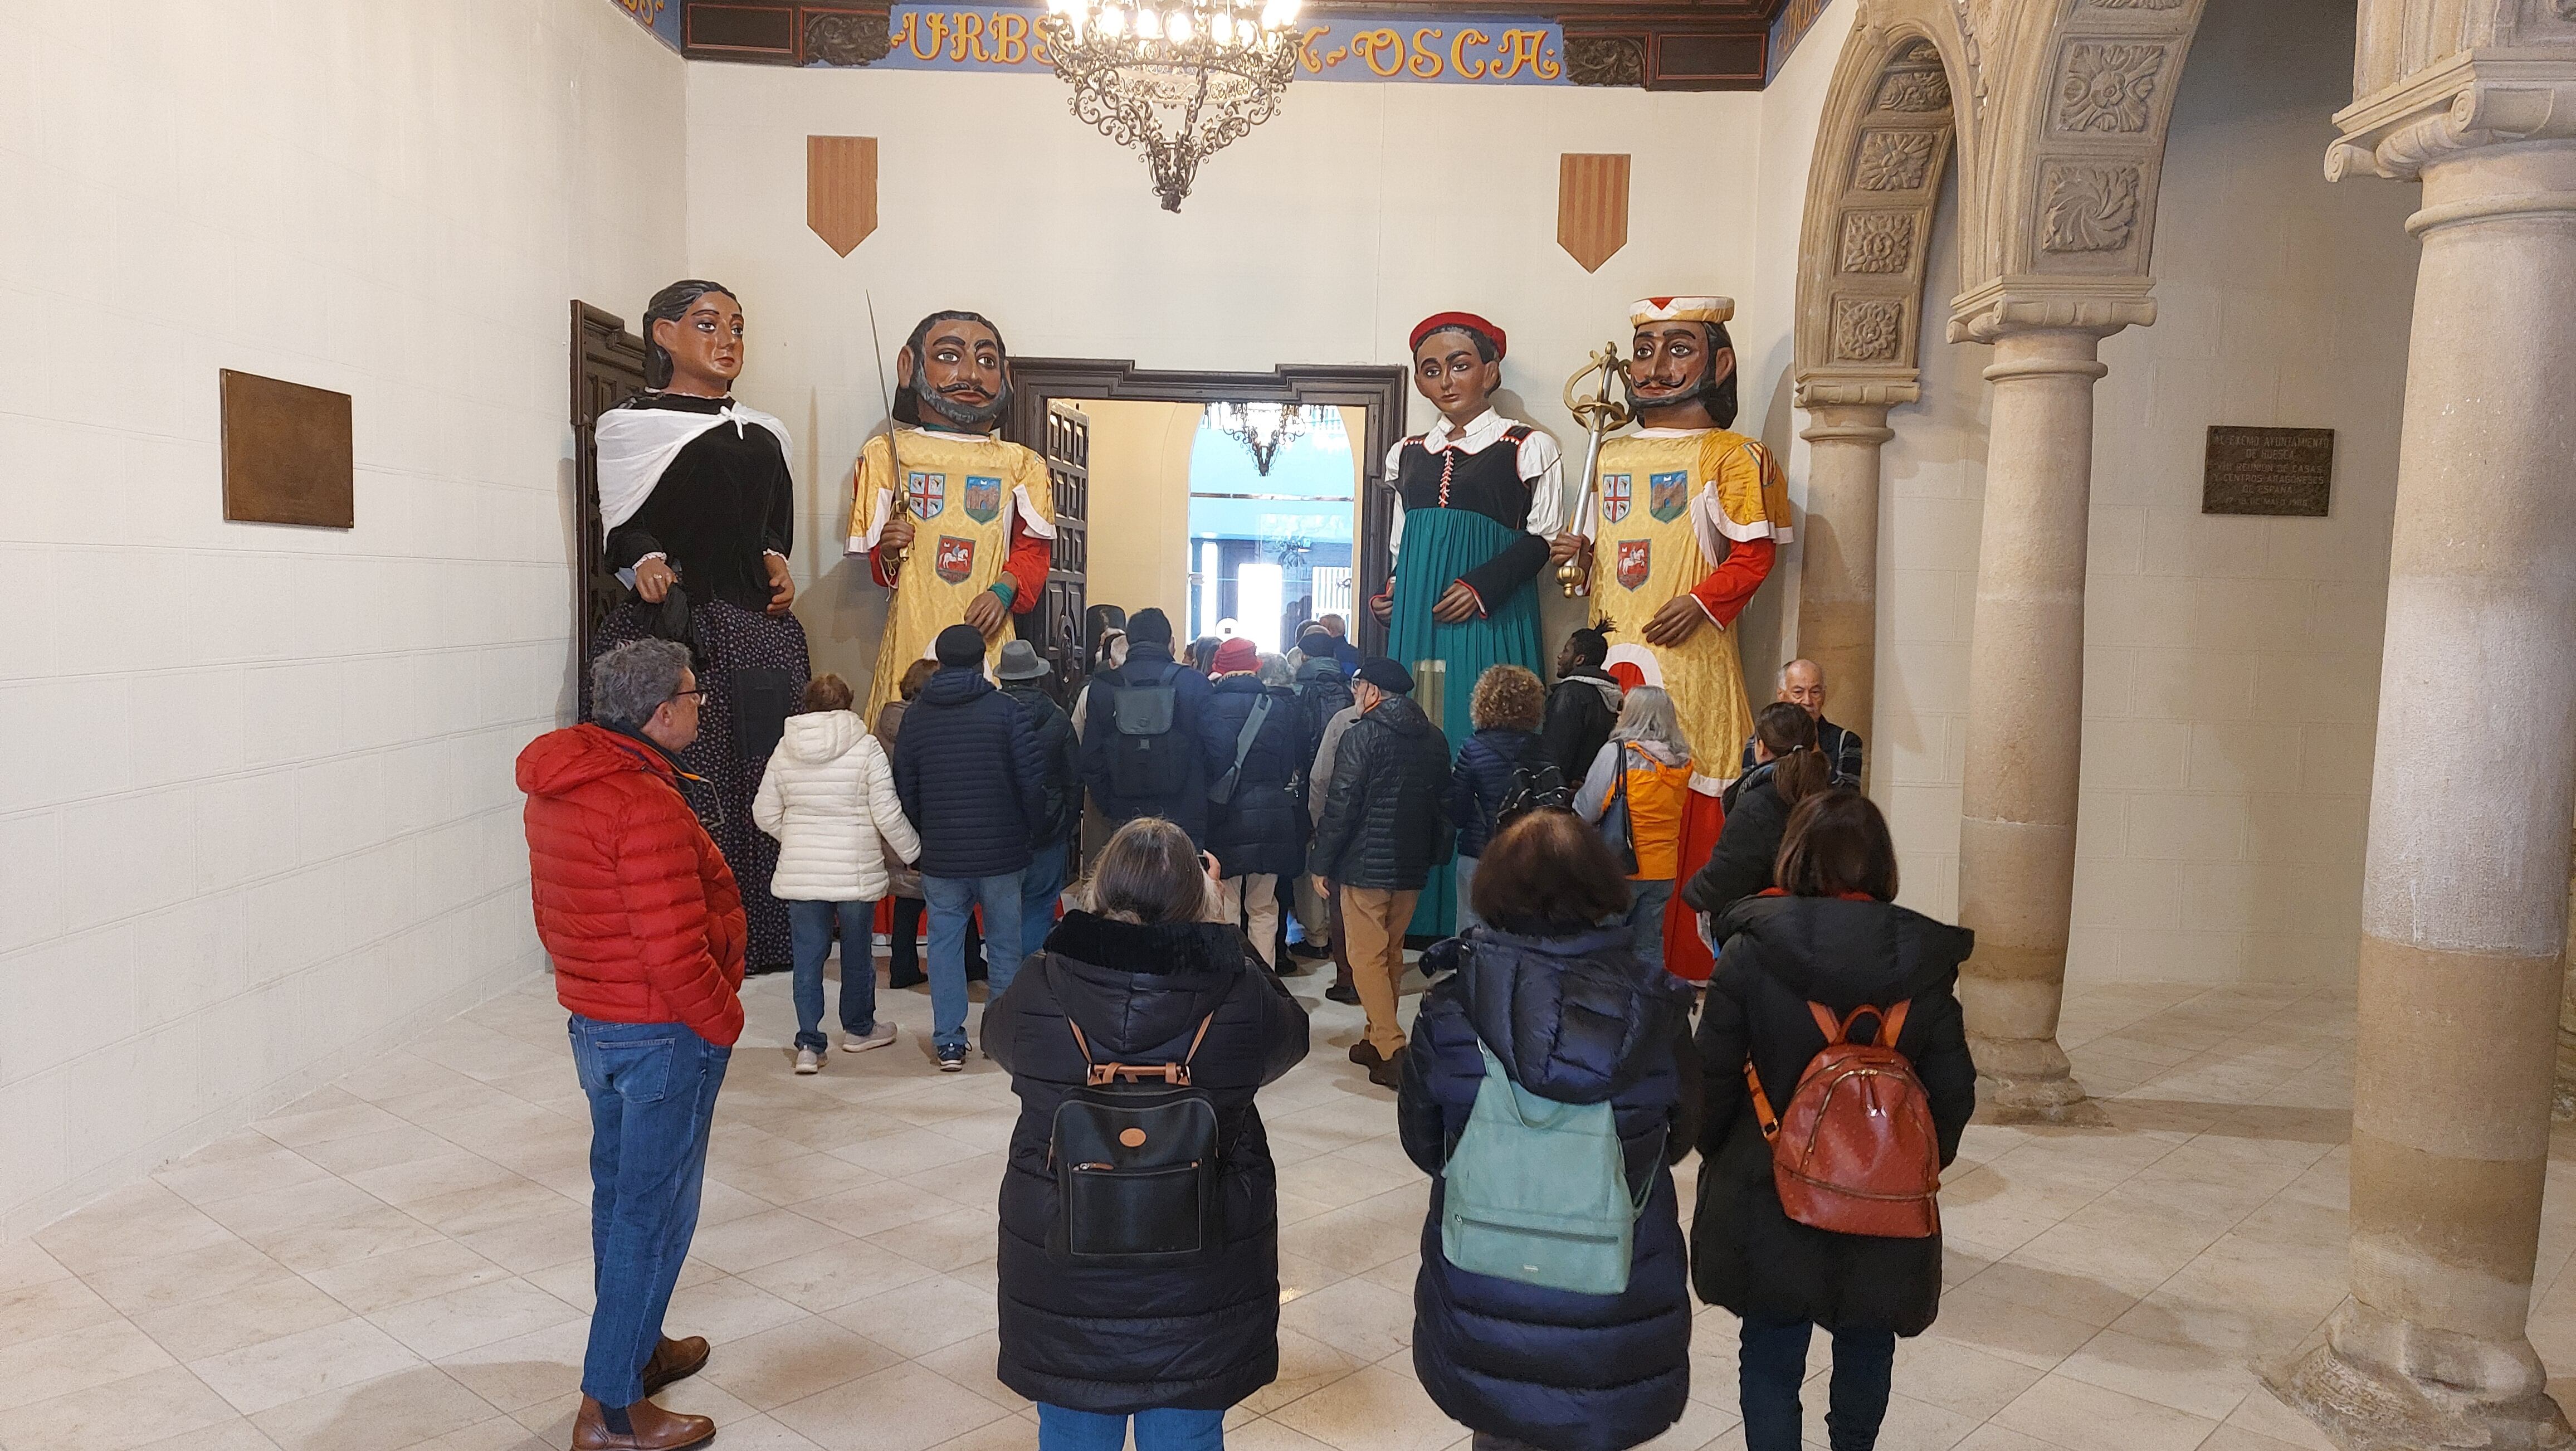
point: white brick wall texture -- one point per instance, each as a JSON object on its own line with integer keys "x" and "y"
{"x": 257, "y": 819}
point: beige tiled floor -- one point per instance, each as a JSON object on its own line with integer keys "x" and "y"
{"x": 403, "y": 1259}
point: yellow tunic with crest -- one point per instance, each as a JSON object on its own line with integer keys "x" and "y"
{"x": 962, "y": 495}
{"x": 1664, "y": 509}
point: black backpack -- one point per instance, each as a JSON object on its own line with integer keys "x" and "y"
{"x": 1134, "y": 1151}
{"x": 1144, "y": 753}
{"x": 1535, "y": 787}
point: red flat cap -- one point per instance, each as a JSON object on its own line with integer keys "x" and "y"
{"x": 1438, "y": 320}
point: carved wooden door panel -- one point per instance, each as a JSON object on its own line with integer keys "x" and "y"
{"x": 1059, "y": 616}
{"x": 607, "y": 369}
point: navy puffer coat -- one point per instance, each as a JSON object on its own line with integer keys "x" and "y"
{"x": 1576, "y": 1018}
{"x": 972, "y": 781}
{"x": 1263, "y": 827}
{"x": 1121, "y": 1340}
{"x": 1481, "y": 781}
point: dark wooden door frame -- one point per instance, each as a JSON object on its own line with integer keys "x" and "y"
{"x": 1036, "y": 382}
{"x": 607, "y": 369}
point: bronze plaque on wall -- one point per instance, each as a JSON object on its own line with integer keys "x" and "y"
{"x": 2286, "y": 471}
{"x": 289, "y": 457}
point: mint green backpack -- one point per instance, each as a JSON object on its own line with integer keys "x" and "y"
{"x": 1537, "y": 1191}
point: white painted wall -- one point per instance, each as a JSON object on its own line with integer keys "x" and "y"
{"x": 258, "y": 818}
{"x": 2231, "y": 664}
{"x": 1321, "y": 238}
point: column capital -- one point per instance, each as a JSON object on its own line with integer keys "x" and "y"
{"x": 2475, "y": 99}
{"x": 1883, "y": 388}
{"x": 2100, "y": 306}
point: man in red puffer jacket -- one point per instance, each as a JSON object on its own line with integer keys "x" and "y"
{"x": 645, "y": 925}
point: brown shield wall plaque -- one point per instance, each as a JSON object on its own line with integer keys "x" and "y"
{"x": 841, "y": 189}
{"x": 289, "y": 456}
{"x": 1591, "y": 207}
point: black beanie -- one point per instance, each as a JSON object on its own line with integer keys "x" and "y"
{"x": 960, "y": 645}
{"x": 1149, "y": 627}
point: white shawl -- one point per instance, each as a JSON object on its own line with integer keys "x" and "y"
{"x": 637, "y": 444}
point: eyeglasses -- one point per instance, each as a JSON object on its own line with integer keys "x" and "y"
{"x": 699, "y": 691}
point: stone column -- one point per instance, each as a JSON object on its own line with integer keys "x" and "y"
{"x": 2026, "y": 691}
{"x": 2464, "y": 895}
{"x": 1838, "y": 568}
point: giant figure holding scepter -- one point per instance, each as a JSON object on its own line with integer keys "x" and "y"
{"x": 1678, "y": 530}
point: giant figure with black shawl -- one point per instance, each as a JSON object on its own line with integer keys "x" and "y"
{"x": 700, "y": 514}
{"x": 1477, "y": 499}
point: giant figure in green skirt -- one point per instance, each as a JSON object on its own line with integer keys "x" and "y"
{"x": 1477, "y": 500}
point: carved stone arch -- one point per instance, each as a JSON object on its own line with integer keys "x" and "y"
{"x": 2078, "y": 98}
{"x": 1899, "y": 103}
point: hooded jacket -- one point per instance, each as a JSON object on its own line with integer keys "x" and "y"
{"x": 1776, "y": 955}
{"x": 1262, "y": 828}
{"x": 1323, "y": 692}
{"x": 1575, "y": 1018}
{"x": 828, "y": 796}
{"x": 1120, "y": 1339}
{"x": 1384, "y": 826}
{"x": 1582, "y": 710}
{"x": 633, "y": 901}
{"x": 967, "y": 768}
{"x": 1182, "y": 799}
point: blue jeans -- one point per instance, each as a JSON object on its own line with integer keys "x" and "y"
{"x": 809, "y": 929}
{"x": 1773, "y": 1360}
{"x": 1165, "y": 1430}
{"x": 1646, "y": 915}
{"x": 1040, "y": 885}
{"x": 1466, "y": 888}
{"x": 951, "y": 899}
{"x": 652, "y": 1089}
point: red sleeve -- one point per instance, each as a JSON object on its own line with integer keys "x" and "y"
{"x": 684, "y": 914}
{"x": 1027, "y": 566}
{"x": 879, "y": 569}
{"x": 1724, "y": 592}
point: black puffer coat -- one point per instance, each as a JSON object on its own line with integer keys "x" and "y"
{"x": 1060, "y": 814}
{"x": 968, "y": 770}
{"x": 1181, "y": 798}
{"x": 1122, "y": 1340}
{"x": 1481, "y": 781}
{"x": 1263, "y": 827}
{"x": 1776, "y": 955}
{"x": 1383, "y": 825}
{"x": 1576, "y": 1018}
{"x": 1323, "y": 692}
{"x": 1748, "y": 845}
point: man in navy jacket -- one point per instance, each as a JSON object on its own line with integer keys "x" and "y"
{"x": 968, "y": 768}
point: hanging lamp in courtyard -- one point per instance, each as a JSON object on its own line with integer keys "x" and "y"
{"x": 1179, "y": 80}
{"x": 1262, "y": 428}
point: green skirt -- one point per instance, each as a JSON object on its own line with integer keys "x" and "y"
{"x": 1446, "y": 660}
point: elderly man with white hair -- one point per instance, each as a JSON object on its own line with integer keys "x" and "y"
{"x": 1802, "y": 684}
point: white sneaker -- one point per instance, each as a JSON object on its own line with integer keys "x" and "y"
{"x": 808, "y": 1061}
{"x": 877, "y": 1037}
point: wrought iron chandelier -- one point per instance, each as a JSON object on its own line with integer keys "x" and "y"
{"x": 1177, "y": 79}
{"x": 1263, "y": 428}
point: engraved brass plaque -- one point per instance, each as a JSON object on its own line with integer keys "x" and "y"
{"x": 289, "y": 457}
{"x": 2279, "y": 471}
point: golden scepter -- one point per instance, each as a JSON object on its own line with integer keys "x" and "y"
{"x": 1598, "y": 413}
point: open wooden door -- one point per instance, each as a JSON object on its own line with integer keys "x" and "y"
{"x": 607, "y": 369}
{"x": 1058, "y": 619}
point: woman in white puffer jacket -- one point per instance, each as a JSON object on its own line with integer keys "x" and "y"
{"x": 828, "y": 796}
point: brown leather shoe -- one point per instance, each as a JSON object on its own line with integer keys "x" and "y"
{"x": 674, "y": 1360}
{"x": 655, "y": 1429}
{"x": 1389, "y": 1071}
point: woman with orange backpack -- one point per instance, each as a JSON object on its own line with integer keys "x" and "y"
{"x": 1837, "y": 1082}
{"x": 1636, "y": 791}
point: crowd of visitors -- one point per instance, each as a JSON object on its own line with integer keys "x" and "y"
{"x": 1551, "y": 1081}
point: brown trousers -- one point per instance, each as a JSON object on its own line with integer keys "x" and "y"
{"x": 1373, "y": 923}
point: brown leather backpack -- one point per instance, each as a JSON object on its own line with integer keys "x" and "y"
{"x": 1856, "y": 1152}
